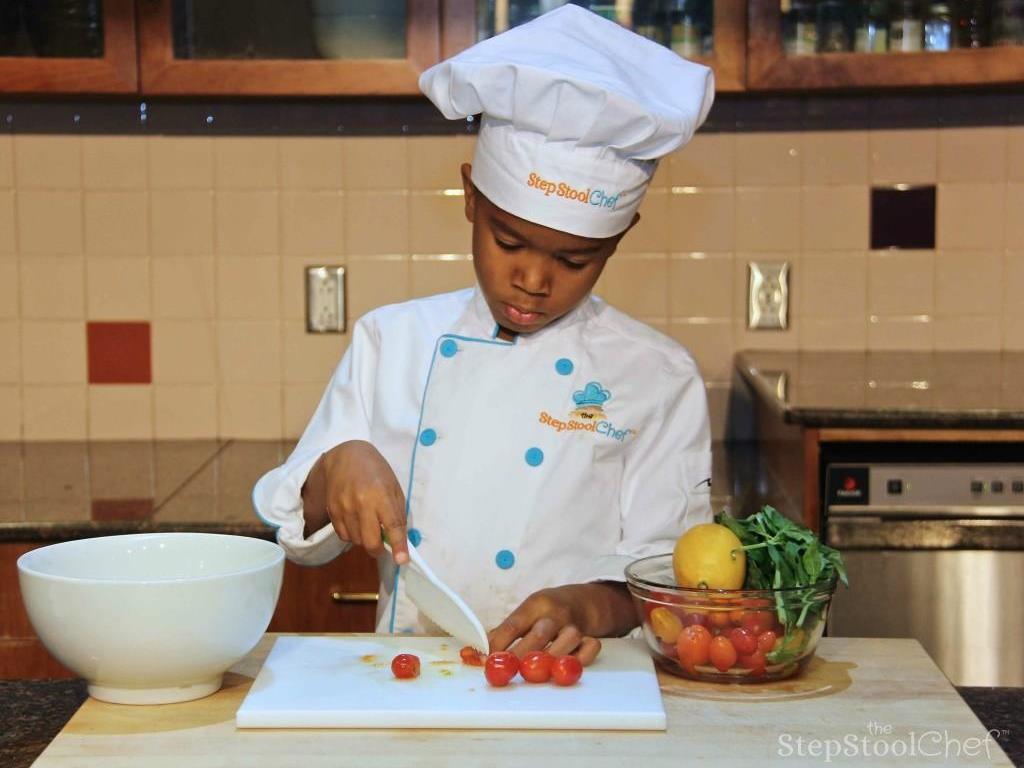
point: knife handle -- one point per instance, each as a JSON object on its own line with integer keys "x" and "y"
{"x": 346, "y": 598}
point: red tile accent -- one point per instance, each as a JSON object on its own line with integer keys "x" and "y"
{"x": 107, "y": 510}
{"x": 119, "y": 353}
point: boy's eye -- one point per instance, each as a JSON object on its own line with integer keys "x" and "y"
{"x": 572, "y": 264}
{"x": 506, "y": 246}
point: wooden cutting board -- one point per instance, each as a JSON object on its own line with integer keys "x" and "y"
{"x": 346, "y": 682}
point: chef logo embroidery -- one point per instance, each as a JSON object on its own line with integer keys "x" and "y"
{"x": 588, "y": 415}
{"x": 588, "y": 196}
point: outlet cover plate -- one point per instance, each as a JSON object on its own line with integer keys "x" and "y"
{"x": 768, "y": 296}
{"x": 325, "y": 299}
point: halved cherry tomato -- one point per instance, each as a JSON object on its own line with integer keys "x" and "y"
{"x": 755, "y": 662}
{"x": 743, "y": 640}
{"x": 566, "y": 670}
{"x": 471, "y": 656}
{"x": 535, "y": 667}
{"x": 666, "y": 625}
{"x": 500, "y": 668}
{"x": 766, "y": 641}
{"x": 722, "y": 653}
{"x": 405, "y": 666}
{"x": 694, "y": 644}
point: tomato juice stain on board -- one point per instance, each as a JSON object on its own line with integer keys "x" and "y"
{"x": 368, "y": 658}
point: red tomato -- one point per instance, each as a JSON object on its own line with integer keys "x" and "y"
{"x": 405, "y": 666}
{"x": 535, "y": 667}
{"x": 736, "y": 617}
{"x": 722, "y": 653}
{"x": 669, "y": 649}
{"x": 757, "y": 621}
{"x": 755, "y": 662}
{"x": 766, "y": 641}
{"x": 719, "y": 619}
{"x": 743, "y": 640}
{"x": 694, "y": 617}
{"x": 694, "y": 645}
{"x": 566, "y": 670}
{"x": 471, "y": 656}
{"x": 500, "y": 668}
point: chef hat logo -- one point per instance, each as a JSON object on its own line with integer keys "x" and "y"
{"x": 592, "y": 394}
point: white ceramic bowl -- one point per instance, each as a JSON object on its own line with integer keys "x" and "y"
{"x": 152, "y": 618}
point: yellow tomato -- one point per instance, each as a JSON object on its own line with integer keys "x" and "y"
{"x": 666, "y": 625}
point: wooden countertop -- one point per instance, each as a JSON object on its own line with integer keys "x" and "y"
{"x": 869, "y": 697}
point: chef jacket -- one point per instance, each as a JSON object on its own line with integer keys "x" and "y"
{"x": 558, "y": 457}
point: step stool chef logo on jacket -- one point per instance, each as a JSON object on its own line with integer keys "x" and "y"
{"x": 498, "y": 502}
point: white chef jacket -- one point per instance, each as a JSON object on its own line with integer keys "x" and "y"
{"x": 555, "y": 458}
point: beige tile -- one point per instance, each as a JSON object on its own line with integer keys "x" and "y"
{"x": 54, "y": 412}
{"x": 376, "y": 163}
{"x": 9, "y": 288}
{"x": 709, "y": 160}
{"x": 832, "y": 334}
{"x": 56, "y": 471}
{"x": 835, "y": 218}
{"x": 637, "y": 285}
{"x": 6, "y": 161}
{"x": 372, "y": 283}
{"x": 1014, "y": 151}
{"x": 435, "y": 161}
{"x": 835, "y": 157}
{"x": 184, "y": 352}
{"x": 115, "y": 162}
{"x": 120, "y": 469}
{"x": 10, "y": 352}
{"x": 10, "y": 414}
{"x": 430, "y": 276}
{"x": 972, "y": 154}
{"x": 184, "y": 412}
{"x": 120, "y": 412}
{"x": 968, "y": 283}
{"x": 703, "y": 220}
{"x": 744, "y": 338}
{"x": 250, "y": 411}
{"x": 117, "y": 289}
{"x": 1013, "y": 332}
{"x": 117, "y": 223}
{"x": 768, "y": 218}
{"x": 246, "y": 223}
{"x": 978, "y": 333}
{"x": 248, "y": 288}
{"x": 913, "y": 332}
{"x": 293, "y": 287}
{"x": 249, "y": 351}
{"x": 901, "y": 282}
{"x": 764, "y": 159}
{"x": 701, "y": 285}
{"x": 310, "y": 358}
{"x": 300, "y": 401}
{"x": 970, "y": 216}
{"x": 53, "y": 352}
{"x": 376, "y": 223}
{"x": 710, "y": 343}
{"x": 311, "y": 163}
{"x": 49, "y": 222}
{"x": 651, "y": 233}
{"x": 311, "y": 224}
{"x": 904, "y": 156}
{"x": 1015, "y": 216}
{"x": 181, "y": 222}
{"x": 1013, "y": 283}
{"x": 48, "y": 162}
{"x": 183, "y": 288}
{"x": 7, "y": 231}
{"x": 246, "y": 163}
{"x": 438, "y": 224}
{"x": 180, "y": 162}
{"x": 834, "y": 287}
{"x": 53, "y": 288}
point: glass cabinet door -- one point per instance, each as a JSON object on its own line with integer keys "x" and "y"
{"x": 51, "y": 29}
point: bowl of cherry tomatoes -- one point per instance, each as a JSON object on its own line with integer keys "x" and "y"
{"x": 727, "y": 636}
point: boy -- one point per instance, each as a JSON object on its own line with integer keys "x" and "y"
{"x": 530, "y": 440}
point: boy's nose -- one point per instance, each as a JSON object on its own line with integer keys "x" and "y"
{"x": 531, "y": 275}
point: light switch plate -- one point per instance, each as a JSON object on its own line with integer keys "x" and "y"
{"x": 768, "y": 295}
{"x": 325, "y": 299}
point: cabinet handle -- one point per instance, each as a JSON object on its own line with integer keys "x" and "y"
{"x": 354, "y": 597}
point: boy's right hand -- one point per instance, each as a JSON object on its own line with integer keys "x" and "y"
{"x": 363, "y": 497}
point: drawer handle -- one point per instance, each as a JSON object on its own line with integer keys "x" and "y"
{"x": 354, "y": 597}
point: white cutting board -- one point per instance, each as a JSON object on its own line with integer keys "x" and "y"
{"x": 346, "y": 682}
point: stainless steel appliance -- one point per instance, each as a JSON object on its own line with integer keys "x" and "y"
{"x": 935, "y": 551}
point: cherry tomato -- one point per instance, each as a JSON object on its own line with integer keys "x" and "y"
{"x": 719, "y": 619}
{"x": 694, "y": 645}
{"x": 669, "y": 649}
{"x": 755, "y": 662}
{"x": 471, "y": 656}
{"x": 695, "y": 617}
{"x": 535, "y": 667}
{"x": 405, "y": 666}
{"x": 722, "y": 653}
{"x": 757, "y": 621}
{"x": 743, "y": 640}
{"x": 500, "y": 668}
{"x": 665, "y": 624}
{"x": 766, "y": 641}
{"x": 736, "y": 617}
{"x": 566, "y": 670}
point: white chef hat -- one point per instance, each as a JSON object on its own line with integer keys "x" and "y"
{"x": 576, "y": 112}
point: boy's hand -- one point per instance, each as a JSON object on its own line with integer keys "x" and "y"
{"x": 362, "y": 496}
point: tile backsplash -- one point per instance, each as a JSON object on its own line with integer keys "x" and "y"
{"x": 198, "y": 245}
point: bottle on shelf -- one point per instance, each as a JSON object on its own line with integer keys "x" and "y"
{"x": 649, "y": 19}
{"x": 938, "y": 26}
{"x": 906, "y": 32}
{"x": 787, "y": 22}
{"x": 871, "y": 30}
{"x": 833, "y": 29}
{"x": 970, "y": 24}
{"x": 805, "y": 28}
{"x": 685, "y": 35}
{"x": 1008, "y": 22}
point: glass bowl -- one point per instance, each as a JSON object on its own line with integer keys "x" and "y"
{"x": 794, "y": 616}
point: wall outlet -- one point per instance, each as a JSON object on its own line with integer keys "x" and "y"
{"x": 325, "y": 299}
{"x": 768, "y": 295}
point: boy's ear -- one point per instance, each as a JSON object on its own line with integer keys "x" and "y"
{"x": 468, "y": 191}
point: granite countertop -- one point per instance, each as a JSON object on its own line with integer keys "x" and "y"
{"x": 961, "y": 390}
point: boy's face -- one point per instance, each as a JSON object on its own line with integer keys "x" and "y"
{"x": 530, "y": 274}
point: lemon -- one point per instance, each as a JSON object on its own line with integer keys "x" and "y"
{"x": 708, "y": 556}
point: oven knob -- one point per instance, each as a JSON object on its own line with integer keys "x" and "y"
{"x": 977, "y": 486}
{"x": 894, "y": 487}
{"x": 997, "y": 486}
{"x": 1017, "y": 486}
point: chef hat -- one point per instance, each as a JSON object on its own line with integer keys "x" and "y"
{"x": 576, "y": 112}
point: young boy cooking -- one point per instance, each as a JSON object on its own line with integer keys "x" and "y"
{"x": 530, "y": 440}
